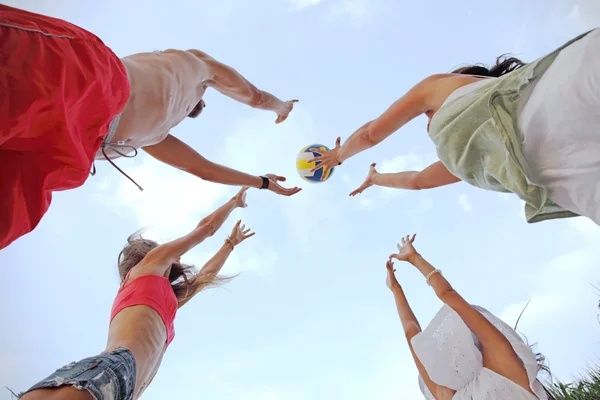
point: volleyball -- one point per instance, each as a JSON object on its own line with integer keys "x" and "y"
{"x": 304, "y": 167}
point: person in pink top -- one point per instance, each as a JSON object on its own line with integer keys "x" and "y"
{"x": 154, "y": 285}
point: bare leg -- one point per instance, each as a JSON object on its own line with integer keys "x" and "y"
{"x": 61, "y": 393}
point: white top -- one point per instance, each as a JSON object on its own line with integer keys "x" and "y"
{"x": 452, "y": 357}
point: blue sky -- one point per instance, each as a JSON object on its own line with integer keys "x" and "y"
{"x": 310, "y": 316}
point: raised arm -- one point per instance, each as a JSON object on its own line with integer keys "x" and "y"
{"x": 176, "y": 153}
{"x": 232, "y": 84}
{"x": 498, "y": 354}
{"x": 414, "y": 103}
{"x": 411, "y": 329}
{"x": 214, "y": 265}
{"x": 165, "y": 254}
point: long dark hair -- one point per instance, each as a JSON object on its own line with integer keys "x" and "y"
{"x": 539, "y": 357}
{"x": 180, "y": 276}
{"x": 504, "y": 65}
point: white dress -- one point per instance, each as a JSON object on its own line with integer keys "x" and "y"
{"x": 452, "y": 357}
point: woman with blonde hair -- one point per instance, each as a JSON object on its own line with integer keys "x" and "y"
{"x": 154, "y": 285}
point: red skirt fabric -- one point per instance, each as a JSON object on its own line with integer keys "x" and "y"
{"x": 60, "y": 87}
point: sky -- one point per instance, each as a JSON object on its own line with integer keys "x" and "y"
{"x": 309, "y": 317}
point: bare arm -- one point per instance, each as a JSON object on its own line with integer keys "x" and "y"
{"x": 164, "y": 255}
{"x": 210, "y": 270}
{"x": 232, "y": 84}
{"x": 498, "y": 354}
{"x": 414, "y": 103}
{"x": 433, "y": 176}
{"x": 412, "y": 328}
{"x": 176, "y": 153}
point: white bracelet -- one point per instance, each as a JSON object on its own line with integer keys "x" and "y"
{"x": 429, "y": 275}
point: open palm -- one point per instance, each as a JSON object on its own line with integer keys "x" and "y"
{"x": 405, "y": 251}
{"x": 368, "y": 181}
{"x": 239, "y": 233}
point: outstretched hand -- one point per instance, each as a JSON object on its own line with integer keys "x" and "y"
{"x": 239, "y": 233}
{"x": 326, "y": 159}
{"x": 368, "y": 181}
{"x": 240, "y": 198}
{"x": 283, "y": 114}
{"x": 406, "y": 251}
{"x": 275, "y": 187}
{"x": 391, "y": 281}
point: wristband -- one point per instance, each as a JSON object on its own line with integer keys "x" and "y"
{"x": 230, "y": 242}
{"x": 265, "y": 182}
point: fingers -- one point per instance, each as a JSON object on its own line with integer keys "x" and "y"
{"x": 319, "y": 166}
{"x": 293, "y": 101}
{"x": 413, "y": 238}
{"x": 237, "y": 224}
{"x": 373, "y": 165}
{"x": 243, "y": 189}
{"x": 318, "y": 151}
{"x": 276, "y": 178}
{"x": 396, "y": 256}
{"x": 325, "y": 172}
{"x": 338, "y": 141}
{"x": 399, "y": 247}
{"x": 250, "y": 235}
{"x": 357, "y": 191}
{"x": 287, "y": 192}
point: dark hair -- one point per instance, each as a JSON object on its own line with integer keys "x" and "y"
{"x": 197, "y": 109}
{"x": 137, "y": 248}
{"x": 504, "y": 65}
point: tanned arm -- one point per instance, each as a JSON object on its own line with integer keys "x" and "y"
{"x": 164, "y": 255}
{"x": 498, "y": 354}
{"x": 414, "y": 103}
{"x": 411, "y": 329}
{"x": 176, "y": 153}
{"x": 435, "y": 175}
{"x": 232, "y": 84}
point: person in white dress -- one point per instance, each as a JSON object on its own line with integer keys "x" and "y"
{"x": 465, "y": 352}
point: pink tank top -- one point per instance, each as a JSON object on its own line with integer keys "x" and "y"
{"x": 153, "y": 291}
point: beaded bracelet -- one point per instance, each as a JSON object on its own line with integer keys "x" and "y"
{"x": 429, "y": 275}
{"x": 230, "y": 242}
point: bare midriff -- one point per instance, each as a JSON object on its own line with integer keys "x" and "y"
{"x": 141, "y": 330}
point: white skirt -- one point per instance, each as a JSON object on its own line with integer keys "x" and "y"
{"x": 560, "y": 122}
{"x": 452, "y": 357}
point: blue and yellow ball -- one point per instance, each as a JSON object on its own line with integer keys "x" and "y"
{"x": 304, "y": 167}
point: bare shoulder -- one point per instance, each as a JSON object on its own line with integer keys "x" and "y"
{"x": 435, "y": 89}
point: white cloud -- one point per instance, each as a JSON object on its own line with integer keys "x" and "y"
{"x": 172, "y": 201}
{"x": 298, "y": 5}
{"x": 465, "y": 202}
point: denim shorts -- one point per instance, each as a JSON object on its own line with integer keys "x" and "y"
{"x": 108, "y": 376}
